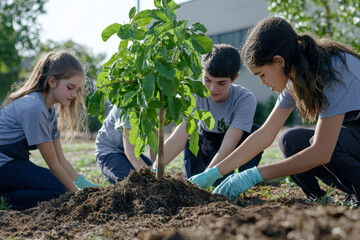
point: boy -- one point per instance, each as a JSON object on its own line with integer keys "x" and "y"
{"x": 233, "y": 108}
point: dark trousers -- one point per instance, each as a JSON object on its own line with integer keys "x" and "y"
{"x": 343, "y": 170}
{"x": 116, "y": 166}
{"x": 23, "y": 184}
{"x": 209, "y": 144}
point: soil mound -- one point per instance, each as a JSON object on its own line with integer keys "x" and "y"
{"x": 142, "y": 207}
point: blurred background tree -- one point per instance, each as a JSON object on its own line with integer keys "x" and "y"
{"x": 19, "y": 37}
{"x": 335, "y": 19}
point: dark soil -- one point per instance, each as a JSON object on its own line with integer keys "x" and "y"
{"x": 141, "y": 207}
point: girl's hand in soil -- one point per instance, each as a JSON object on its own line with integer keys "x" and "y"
{"x": 81, "y": 182}
{"x": 206, "y": 179}
{"x": 235, "y": 184}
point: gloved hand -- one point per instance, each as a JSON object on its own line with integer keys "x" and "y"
{"x": 81, "y": 182}
{"x": 235, "y": 184}
{"x": 154, "y": 170}
{"x": 206, "y": 179}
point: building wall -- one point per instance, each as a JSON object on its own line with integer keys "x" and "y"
{"x": 228, "y": 21}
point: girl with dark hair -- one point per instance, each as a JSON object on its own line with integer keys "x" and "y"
{"x": 28, "y": 120}
{"x": 321, "y": 78}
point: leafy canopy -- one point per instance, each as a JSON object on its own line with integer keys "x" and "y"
{"x": 156, "y": 66}
{"x": 336, "y": 19}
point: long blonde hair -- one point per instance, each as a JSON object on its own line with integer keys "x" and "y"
{"x": 59, "y": 64}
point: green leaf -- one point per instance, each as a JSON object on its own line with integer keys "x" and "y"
{"x": 142, "y": 14}
{"x": 109, "y": 31}
{"x": 140, "y": 34}
{"x": 166, "y": 69}
{"x": 198, "y": 88}
{"x": 132, "y": 12}
{"x": 158, "y": 15}
{"x": 190, "y": 125}
{"x": 126, "y": 31}
{"x": 141, "y": 100}
{"x": 165, "y": 2}
{"x": 93, "y": 102}
{"x": 157, "y": 3}
{"x": 172, "y": 5}
{"x": 140, "y": 63}
{"x": 139, "y": 147}
{"x": 174, "y": 108}
{"x": 202, "y": 43}
{"x": 148, "y": 84}
{"x": 101, "y": 77}
{"x": 128, "y": 96}
{"x": 142, "y": 18}
{"x": 198, "y": 27}
{"x": 153, "y": 142}
{"x": 166, "y": 86}
{"x": 205, "y": 116}
{"x": 134, "y": 122}
{"x": 194, "y": 143}
{"x": 155, "y": 104}
{"x": 195, "y": 66}
{"x": 190, "y": 104}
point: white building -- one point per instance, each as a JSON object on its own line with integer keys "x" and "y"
{"x": 228, "y": 21}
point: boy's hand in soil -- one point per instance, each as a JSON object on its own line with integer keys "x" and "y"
{"x": 235, "y": 184}
{"x": 81, "y": 182}
{"x": 206, "y": 179}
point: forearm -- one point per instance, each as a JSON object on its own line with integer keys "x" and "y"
{"x": 172, "y": 148}
{"x": 303, "y": 161}
{"x": 137, "y": 163}
{"x": 69, "y": 169}
{"x": 63, "y": 161}
{"x": 218, "y": 158}
{"x": 252, "y": 146}
{"x": 48, "y": 152}
{"x": 62, "y": 175}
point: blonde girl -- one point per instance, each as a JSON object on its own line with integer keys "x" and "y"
{"x": 28, "y": 120}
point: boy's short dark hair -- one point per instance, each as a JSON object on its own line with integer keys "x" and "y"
{"x": 222, "y": 61}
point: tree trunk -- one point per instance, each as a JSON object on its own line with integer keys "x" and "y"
{"x": 160, "y": 166}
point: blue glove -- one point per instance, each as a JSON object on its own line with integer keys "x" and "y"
{"x": 206, "y": 179}
{"x": 235, "y": 184}
{"x": 81, "y": 182}
{"x": 154, "y": 170}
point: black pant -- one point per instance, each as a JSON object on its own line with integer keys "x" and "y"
{"x": 343, "y": 170}
{"x": 209, "y": 145}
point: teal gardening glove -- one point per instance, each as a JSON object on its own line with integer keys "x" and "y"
{"x": 81, "y": 182}
{"x": 206, "y": 179}
{"x": 235, "y": 184}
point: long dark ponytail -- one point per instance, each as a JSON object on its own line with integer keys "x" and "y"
{"x": 309, "y": 58}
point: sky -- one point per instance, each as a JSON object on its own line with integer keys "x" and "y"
{"x": 83, "y": 21}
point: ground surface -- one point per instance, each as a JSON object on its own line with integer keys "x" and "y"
{"x": 141, "y": 207}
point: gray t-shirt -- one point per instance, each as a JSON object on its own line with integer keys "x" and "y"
{"x": 342, "y": 98}
{"x": 109, "y": 140}
{"x": 236, "y": 112}
{"x": 27, "y": 118}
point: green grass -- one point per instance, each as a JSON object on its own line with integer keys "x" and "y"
{"x": 4, "y": 205}
{"x": 82, "y": 158}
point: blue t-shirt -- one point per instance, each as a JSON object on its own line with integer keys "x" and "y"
{"x": 27, "y": 118}
{"x": 236, "y": 112}
{"x": 342, "y": 97}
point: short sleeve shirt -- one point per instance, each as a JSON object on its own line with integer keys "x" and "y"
{"x": 236, "y": 112}
{"x": 109, "y": 140}
{"x": 342, "y": 97}
{"x": 27, "y": 118}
